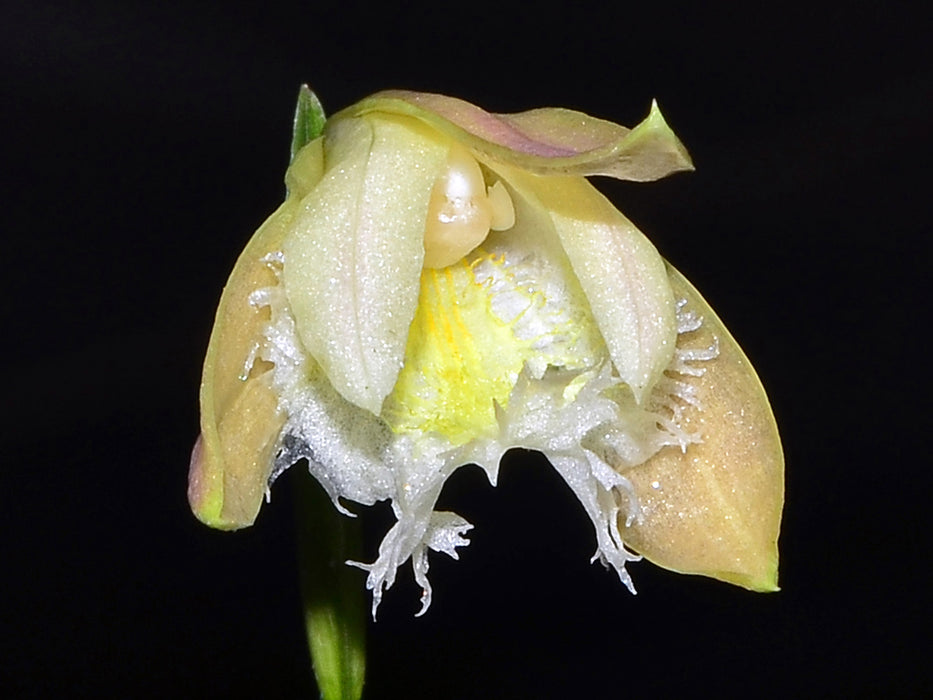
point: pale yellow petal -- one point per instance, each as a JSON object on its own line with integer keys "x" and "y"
{"x": 354, "y": 255}
{"x": 620, "y": 271}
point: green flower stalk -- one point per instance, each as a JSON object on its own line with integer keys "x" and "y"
{"x": 443, "y": 284}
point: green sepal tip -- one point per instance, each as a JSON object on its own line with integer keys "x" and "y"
{"x": 309, "y": 120}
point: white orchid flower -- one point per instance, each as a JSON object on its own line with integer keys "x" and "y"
{"x": 443, "y": 285}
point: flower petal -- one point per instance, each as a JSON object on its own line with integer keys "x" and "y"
{"x": 240, "y": 420}
{"x": 550, "y": 141}
{"x": 353, "y": 257}
{"x": 715, "y": 509}
{"x": 620, "y": 271}
{"x": 229, "y": 470}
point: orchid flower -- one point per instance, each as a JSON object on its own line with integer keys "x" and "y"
{"x": 442, "y": 285}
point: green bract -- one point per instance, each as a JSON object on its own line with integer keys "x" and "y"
{"x": 443, "y": 284}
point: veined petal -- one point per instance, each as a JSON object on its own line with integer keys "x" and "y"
{"x": 240, "y": 420}
{"x": 549, "y": 141}
{"x": 354, "y": 255}
{"x": 715, "y": 509}
{"x": 620, "y": 271}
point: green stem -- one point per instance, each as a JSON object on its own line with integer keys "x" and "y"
{"x": 332, "y": 593}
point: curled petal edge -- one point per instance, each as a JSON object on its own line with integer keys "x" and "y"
{"x": 548, "y": 141}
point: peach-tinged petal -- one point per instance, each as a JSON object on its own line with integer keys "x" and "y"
{"x": 220, "y": 489}
{"x": 715, "y": 509}
{"x": 550, "y": 141}
{"x": 230, "y": 469}
{"x": 240, "y": 421}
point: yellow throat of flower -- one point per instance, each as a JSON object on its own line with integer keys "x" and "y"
{"x": 461, "y": 359}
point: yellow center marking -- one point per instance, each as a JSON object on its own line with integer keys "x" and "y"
{"x": 459, "y": 360}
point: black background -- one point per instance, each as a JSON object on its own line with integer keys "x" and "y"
{"x": 142, "y": 145}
